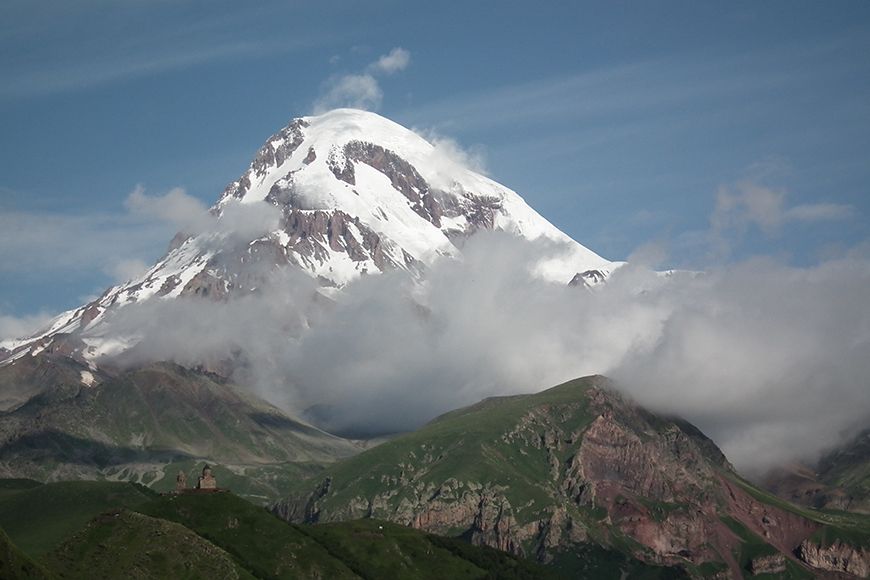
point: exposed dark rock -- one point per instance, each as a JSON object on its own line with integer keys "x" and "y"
{"x": 403, "y": 176}
{"x": 588, "y": 278}
{"x": 289, "y": 138}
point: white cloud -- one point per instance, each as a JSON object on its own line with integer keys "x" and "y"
{"x": 748, "y": 204}
{"x": 246, "y": 221}
{"x": 449, "y": 158}
{"x": 191, "y": 216}
{"x": 126, "y": 269}
{"x": 398, "y": 59}
{"x": 359, "y": 91}
{"x": 119, "y": 244}
{"x": 36, "y": 244}
{"x": 362, "y": 90}
{"x": 769, "y": 360}
{"x": 177, "y": 207}
{"x": 816, "y": 212}
{"x": 12, "y": 327}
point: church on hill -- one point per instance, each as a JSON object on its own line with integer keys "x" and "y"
{"x": 205, "y": 483}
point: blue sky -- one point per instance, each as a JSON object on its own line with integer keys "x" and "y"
{"x": 718, "y": 131}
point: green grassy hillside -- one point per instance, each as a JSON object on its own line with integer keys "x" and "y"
{"x": 39, "y": 517}
{"x": 560, "y": 472}
{"x": 268, "y": 546}
{"x": 224, "y": 536}
{"x": 15, "y": 565}
{"x": 271, "y": 548}
{"x": 125, "y": 544}
{"x": 145, "y": 424}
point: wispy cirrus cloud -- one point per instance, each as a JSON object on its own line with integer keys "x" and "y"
{"x": 93, "y": 43}
{"x": 50, "y": 79}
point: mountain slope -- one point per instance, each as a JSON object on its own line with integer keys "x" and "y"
{"x": 848, "y": 469}
{"x": 840, "y": 480}
{"x": 337, "y": 196}
{"x": 131, "y": 424}
{"x": 543, "y": 474}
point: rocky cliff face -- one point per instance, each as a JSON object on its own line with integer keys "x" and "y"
{"x": 542, "y": 474}
{"x": 837, "y": 557}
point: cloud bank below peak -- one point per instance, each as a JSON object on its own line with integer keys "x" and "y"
{"x": 770, "y": 360}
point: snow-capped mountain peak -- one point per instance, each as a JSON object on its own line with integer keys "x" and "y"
{"x": 354, "y": 193}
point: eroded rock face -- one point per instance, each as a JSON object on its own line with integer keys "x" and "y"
{"x": 604, "y": 464}
{"x": 837, "y": 557}
{"x": 402, "y": 175}
{"x": 772, "y": 564}
{"x": 277, "y": 149}
{"x": 312, "y": 234}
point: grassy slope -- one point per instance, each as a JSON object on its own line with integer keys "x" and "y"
{"x": 850, "y": 528}
{"x": 375, "y": 549}
{"x": 464, "y": 445}
{"x": 124, "y": 544}
{"x": 38, "y": 518}
{"x": 224, "y": 536}
{"x": 849, "y": 468}
{"x": 592, "y": 561}
{"x": 754, "y": 546}
{"x": 269, "y": 547}
{"x": 468, "y": 445}
{"x": 15, "y": 565}
{"x": 168, "y": 410}
{"x": 145, "y": 424}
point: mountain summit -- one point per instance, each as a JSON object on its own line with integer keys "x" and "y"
{"x": 337, "y": 195}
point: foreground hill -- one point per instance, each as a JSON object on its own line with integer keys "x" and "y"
{"x": 545, "y": 475}
{"x": 73, "y": 533}
{"x": 144, "y": 424}
{"x": 39, "y": 517}
{"x": 123, "y": 544}
{"x": 15, "y": 565}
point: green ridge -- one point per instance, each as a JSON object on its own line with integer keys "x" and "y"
{"x": 38, "y": 518}
{"x": 15, "y": 565}
{"x": 125, "y": 544}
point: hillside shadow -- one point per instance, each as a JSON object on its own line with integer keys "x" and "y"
{"x": 51, "y": 446}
